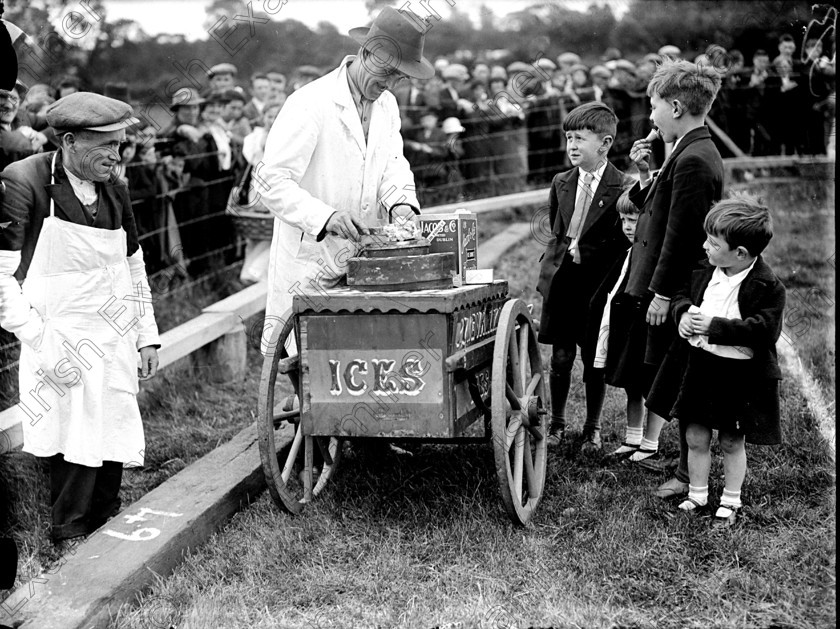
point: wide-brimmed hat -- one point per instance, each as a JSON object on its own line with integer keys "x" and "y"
{"x": 394, "y": 42}
{"x": 186, "y": 96}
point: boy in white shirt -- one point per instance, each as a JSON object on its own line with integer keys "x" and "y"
{"x": 731, "y": 315}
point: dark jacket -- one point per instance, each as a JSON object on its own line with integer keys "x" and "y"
{"x": 27, "y": 203}
{"x": 669, "y": 235}
{"x": 601, "y": 240}
{"x": 761, "y": 300}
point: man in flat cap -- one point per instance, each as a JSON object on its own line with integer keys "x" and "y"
{"x": 334, "y": 161}
{"x": 82, "y": 312}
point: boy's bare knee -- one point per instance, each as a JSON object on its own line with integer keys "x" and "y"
{"x": 730, "y": 444}
{"x": 697, "y": 437}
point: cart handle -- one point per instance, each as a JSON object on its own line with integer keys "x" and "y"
{"x": 414, "y": 209}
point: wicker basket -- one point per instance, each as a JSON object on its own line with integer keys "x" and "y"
{"x": 250, "y": 224}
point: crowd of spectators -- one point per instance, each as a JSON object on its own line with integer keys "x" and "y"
{"x": 476, "y": 129}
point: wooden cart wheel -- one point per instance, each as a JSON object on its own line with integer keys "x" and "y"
{"x": 289, "y": 489}
{"x": 518, "y": 415}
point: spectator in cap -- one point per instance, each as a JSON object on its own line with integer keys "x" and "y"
{"x": 68, "y": 85}
{"x": 411, "y": 99}
{"x": 453, "y": 91}
{"x": 304, "y": 75}
{"x": 481, "y": 72}
{"x": 222, "y": 77}
{"x": 670, "y": 51}
{"x": 278, "y": 84}
{"x": 260, "y": 93}
{"x": 631, "y": 107}
{"x": 600, "y": 76}
{"x": 581, "y": 84}
{"x": 425, "y": 149}
{"x": 565, "y": 60}
{"x": 498, "y": 72}
{"x": 334, "y": 160}
{"x": 611, "y": 54}
{"x": 16, "y": 140}
{"x": 68, "y": 234}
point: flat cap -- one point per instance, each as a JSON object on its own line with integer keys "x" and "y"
{"x": 456, "y": 71}
{"x": 222, "y": 68}
{"x": 308, "y": 71}
{"x": 546, "y": 64}
{"x": 578, "y": 67}
{"x": 498, "y": 72}
{"x": 669, "y": 50}
{"x": 519, "y": 66}
{"x": 452, "y": 125}
{"x": 624, "y": 64}
{"x": 600, "y": 70}
{"x": 186, "y": 96}
{"x": 567, "y": 58}
{"x": 93, "y": 112}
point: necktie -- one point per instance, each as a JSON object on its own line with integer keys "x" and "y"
{"x": 584, "y": 200}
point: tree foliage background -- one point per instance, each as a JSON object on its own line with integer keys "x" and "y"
{"x": 99, "y": 50}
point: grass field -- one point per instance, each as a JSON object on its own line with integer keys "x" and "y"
{"x": 422, "y": 540}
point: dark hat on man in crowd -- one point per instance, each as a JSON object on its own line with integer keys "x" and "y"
{"x": 186, "y": 96}
{"x": 395, "y": 41}
{"x": 91, "y": 112}
{"x": 222, "y": 68}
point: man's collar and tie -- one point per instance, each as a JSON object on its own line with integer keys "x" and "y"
{"x": 364, "y": 106}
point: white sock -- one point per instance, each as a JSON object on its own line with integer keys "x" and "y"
{"x": 731, "y": 499}
{"x": 696, "y": 496}
{"x": 651, "y": 446}
{"x": 633, "y": 435}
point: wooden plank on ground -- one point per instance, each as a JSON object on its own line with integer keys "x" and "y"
{"x": 245, "y": 303}
{"x": 149, "y": 538}
{"x": 188, "y": 337}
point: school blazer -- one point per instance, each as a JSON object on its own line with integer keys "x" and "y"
{"x": 601, "y": 240}
{"x": 669, "y": 235}
{"x": 761, "y": 300}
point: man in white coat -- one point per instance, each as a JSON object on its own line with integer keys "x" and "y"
{"x": 73, "y": 289}
{"x": 334, "y": 162}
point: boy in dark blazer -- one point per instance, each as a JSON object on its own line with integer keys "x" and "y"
{"x": 730, "y": 315}
{"x": 669, "y": 236}
{"x": 586, "y": 240}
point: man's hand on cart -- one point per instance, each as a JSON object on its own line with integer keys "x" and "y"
{"x": 344, "y": 225}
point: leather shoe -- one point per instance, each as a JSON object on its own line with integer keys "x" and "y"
{"x": 556, "y": 436}
{"x": 671, "y": 488}
{"x": 591, "y": 441}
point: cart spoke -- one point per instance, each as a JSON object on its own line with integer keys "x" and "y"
{"x": 524, "y": 362}
{"x": 290, "y": 458}
{"x": 513, "y": 358}
{"x": 324, "y": 447}
{"x": 518, "y": 457}
{"x": 512, "y": 428}
{"x": 530, "y": 475}
{"x": 532, "y": 385}
{"x": 515, "y": 404}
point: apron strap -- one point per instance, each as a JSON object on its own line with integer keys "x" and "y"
{"x": 52, "y": 183}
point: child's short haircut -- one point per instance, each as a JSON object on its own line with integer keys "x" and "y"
{"x": 694, "y": 86}
{"x": 625, "y": 206}
{"x": 593, "y": 116}
{"x": 742, "y": 221}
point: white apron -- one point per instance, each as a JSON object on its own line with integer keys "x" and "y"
{"x": 78, "y": 386}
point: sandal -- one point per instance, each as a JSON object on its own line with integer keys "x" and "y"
{"x": 725, "y": 516}
{"x": 695, "y": 507}
{"x": 617, "y": 456}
